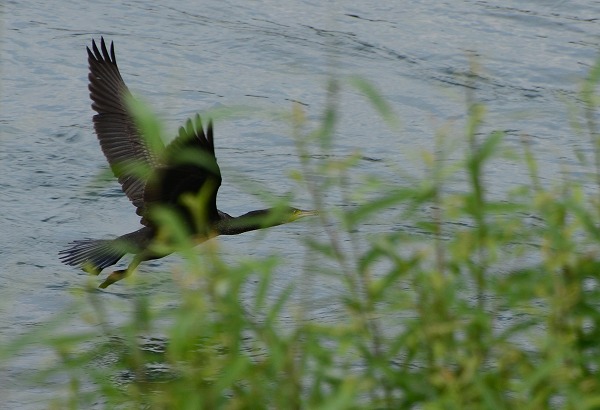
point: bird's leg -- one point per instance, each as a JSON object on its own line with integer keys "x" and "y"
{"x": 121, "y": 274}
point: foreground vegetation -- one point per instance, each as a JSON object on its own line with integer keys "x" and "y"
{"x": 493, "y": 304}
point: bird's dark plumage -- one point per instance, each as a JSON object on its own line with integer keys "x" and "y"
{"x": 152, "y": 175}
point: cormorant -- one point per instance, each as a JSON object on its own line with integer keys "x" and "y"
{"x": 156, "y": 176}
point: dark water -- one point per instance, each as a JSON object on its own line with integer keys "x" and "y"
{"x": 184, "y": 57}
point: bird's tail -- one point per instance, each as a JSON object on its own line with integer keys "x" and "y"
{"x": 93, "y": 255}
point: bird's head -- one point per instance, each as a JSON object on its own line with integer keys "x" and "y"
{"x": 295, "y": 214}
{"x": 279, "y": 215}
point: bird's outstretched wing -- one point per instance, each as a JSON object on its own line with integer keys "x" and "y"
{"x": 189, "y": 166}
{"x": 126, "y": 150}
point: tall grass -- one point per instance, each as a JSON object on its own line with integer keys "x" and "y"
{"x": 435, "y": 320}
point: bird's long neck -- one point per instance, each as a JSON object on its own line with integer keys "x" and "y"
{"x": 253, "y": 220}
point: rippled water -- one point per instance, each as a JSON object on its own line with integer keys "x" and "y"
{"x": 183, "y": 57}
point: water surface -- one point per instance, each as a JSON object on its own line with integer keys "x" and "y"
{"x": 183, "y": 58}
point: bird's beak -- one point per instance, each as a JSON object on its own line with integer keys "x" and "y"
{"x": 299, "y": 213}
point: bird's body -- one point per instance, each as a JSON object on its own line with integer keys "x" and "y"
{"x": 156, "y": 177}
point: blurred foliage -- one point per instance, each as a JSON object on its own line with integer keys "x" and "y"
{"x": 434, "y": 320}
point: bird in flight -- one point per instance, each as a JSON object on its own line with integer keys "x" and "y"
{"x": 153, "y": 176}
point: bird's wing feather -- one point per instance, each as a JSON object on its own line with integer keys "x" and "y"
{"x": 127, "y": 152}
{"x": 189, "y": 167}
